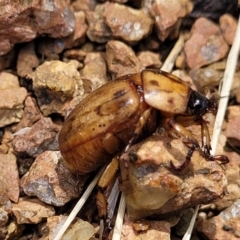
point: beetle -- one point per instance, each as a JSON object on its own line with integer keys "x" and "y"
{"x": 114, "y": 116}
{"x": 121, "y": 112}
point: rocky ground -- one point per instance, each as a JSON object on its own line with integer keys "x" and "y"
{"x": 52, "y": 55}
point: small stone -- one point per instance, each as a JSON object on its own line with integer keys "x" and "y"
{"x": 78, "y": 36}
{"x": 167, "y": 190}
{"x": 8, "y": 81}
{"x": 151, "y": 43}
{"x": 11, "y": 105}
{"x": 95, "y": 69}
{"x": 149, "y": 59}
{"x": 84, "y": 5}
{"x": 9, "y": 179}
{"x": 155, "y": 229}
{"x": 50, "y": 48}
{"x": 232, "y": 170}
{"x": 228, "y": 26}
{"x": 77, "y": 228}
{"x": 77, "y": 54}
{"x": 36, "y": 139}
{"x": 206, "y": 44}
{"x": 24, "y": 164}
{"x": 180, "y": 61}
{"x": 31, "y": 210}
{"x": 235, "y": 89}
{"x": 185, "y": 77}
{"x": 231, "y": 132}
{"x": 51, "y": 181}
{"x": 3, "y": 217}
{"x": 233, "y": 112}
{"x": 27, "y": 60}
{"x": 97, "y": 31}
{"x": 205, "y": 77}
{"x": 11, "y": 101}
{"x": 127, "y": 23}
{"x": 7, "y": 60}
{"x": 121, "y": 59}
{"x": 224, "y": 226}
{"x": 3, "y": 232}
{"x": 5, "y": 210}
{"x": 14, "y": 230}
{"x": 31, "y": 114}
{"x": 54, "y": 83}
{"x": 6, "y": 143}
{"x": 167, "y": 15}
{"x": 23, "y": 22}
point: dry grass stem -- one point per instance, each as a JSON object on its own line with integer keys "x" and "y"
{"x": 119, "y": 220}
{"x": 170, "y": 60}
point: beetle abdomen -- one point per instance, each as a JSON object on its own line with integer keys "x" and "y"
{"x": 82, "y": 159}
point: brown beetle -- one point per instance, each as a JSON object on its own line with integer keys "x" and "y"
{"x": 116, "y": 114}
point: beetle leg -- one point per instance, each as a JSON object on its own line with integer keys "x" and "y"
{"x": 206, "y": 144}
{"x": 101, "y": 202}
{"x": 192, "y": 143}
{"x": 138, "y": 129}
{"x": 205, "y": 138}
{"x": 188, "y": 140}
{"x": 108, "y": 174}
{"x": 186, "y": 162}
{"x": 220, "y": 158}
{"x": 106, "y": 179}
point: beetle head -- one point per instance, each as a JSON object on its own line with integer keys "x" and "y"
{"x": 199, "y": 104}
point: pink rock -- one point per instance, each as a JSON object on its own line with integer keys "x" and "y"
{"x": 232, "y": 129}
{"x": 232, "y": 170}
{"x": 27, "y": 60}
{"x": 51, "y": 181}
{"x": 9, "y": 180}
{"x": 31, "y": 114}
{"x": 121, "y": 59}
{"x": 97, "y": 30}
{"x": 23, "y": 22}
{"x": 79, "y": 33}
{"x": 228, "y": 26}
{"x": 30, "y": 210}
{"x": 151, "y": 229}
{"x": 149, "y": 59}
{"x": 206, "y": 44}
{"x": 152, "y": 188}
{"x": 76, "y": 229}
{"x": 54, "y": 83}
{"x": 167, "y": 16}
{"x": 127, "y": 23}
{"x": 12, "y": 98}
{"x": 224, "y": 226}
{"x": 95, "y": 69}
{"x": 36, "y": 139}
